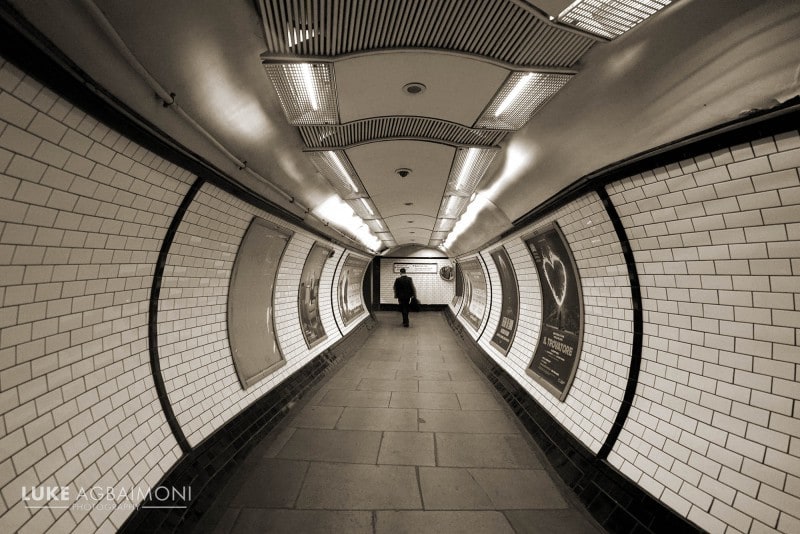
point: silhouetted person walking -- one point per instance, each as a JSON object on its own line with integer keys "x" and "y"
{"x": 403, "y": 291}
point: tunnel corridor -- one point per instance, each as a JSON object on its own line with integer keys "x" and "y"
{"x": 182, "y": 352}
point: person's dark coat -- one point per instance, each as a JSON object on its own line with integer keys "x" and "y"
{"x": 404, "y": 288}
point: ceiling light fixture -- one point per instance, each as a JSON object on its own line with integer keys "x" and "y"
{"x": 522, "y": 94}
{"x": 466, "y": 167}
{"x": 366, "y": 206}
{"x": 343, "y": 171}
{"x": 514, "y": 93}
{"x": 610, "y": 18}
{"x": 307, "y": 91}
{"x": 310, "y": 86}
{"x": 335, "y": 167}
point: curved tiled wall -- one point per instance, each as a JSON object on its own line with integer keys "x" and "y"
{"x": 83, "y": 214}
{"x": 712, "y": 430}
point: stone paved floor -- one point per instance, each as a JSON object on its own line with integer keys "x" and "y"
{"x": 406, "y": 436}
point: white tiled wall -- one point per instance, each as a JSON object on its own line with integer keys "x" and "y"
{"x": 599, "y": 384}
{"x": 431, "y": 288}
{"x": 714, "y": 429}
{"x": 83, "y": 212}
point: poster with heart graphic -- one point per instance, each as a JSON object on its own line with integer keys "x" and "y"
{"x": 555, "y": 359}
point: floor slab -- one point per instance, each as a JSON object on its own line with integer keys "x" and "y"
{"x": 378, "y": 419}
{"x": 447, "y": 488}
{"x": 306, "y": 521}
{"x": 528, "y": 489}
{"x": 434, "y": 401}
{"x": 432, "y": 522}
{"x": 360, "y": 487}
{"x": 352, "y": 446}
{"x": 467, "y": 422}
{"x": 362, "y": 399}
{"x": 484, "y": 450}
{"x": 407, "y": 448}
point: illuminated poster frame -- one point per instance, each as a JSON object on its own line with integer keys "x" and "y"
{"x": 308, "y": 294}
{"x": 474, "y": 305}
{"x": 509, "y": 304}
{"x": 351, "y": 277}
{"x": 558, "y": 349}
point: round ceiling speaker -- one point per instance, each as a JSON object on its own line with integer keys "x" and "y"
{"x": 414, "y": 88}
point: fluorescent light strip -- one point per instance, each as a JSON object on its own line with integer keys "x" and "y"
{"x": 341, "y": 168}
{"x": 466, "y": 167}
{"x": 310, "y": 86}
{"x": 366, "y": 206}
{"x": 514, "y": 94}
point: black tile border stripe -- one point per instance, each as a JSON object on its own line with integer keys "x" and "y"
{"x": 152, "y": 316}
{"x": 638, "y": 326}
{"x": 207, "y": 467}
{"x": 615, "y": 502}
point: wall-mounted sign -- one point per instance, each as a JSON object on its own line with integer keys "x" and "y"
{"x": 417, "y": 268}
{"x": 308, "y": 299}
{"x": 557, "y": 353}
{"x": 349, "y": 288}
{"x": 474, "y": 292}
{"x": 509, "y": 307}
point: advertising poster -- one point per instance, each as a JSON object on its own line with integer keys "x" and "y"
{"x": 308, "y": 299}
{"x": 351, "y": 304}
{"x": 509, "y": 308}
{"x": 474, "y": 292}
{"x": 556, "y": 357}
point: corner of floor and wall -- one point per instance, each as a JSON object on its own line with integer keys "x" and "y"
{"x": 116, "y": 366}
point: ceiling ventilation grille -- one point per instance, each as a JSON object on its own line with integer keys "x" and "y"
{"x": 610, "y": 18}
{"x": 505, "y": 30}
{"x": 519, "y": 98}
{"x": 307, "y": 91}
{"x": 374, "y": 129}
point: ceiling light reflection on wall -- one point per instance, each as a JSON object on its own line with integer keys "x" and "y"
{"x": 610, "y": 18}
{"x": 307, "y": 91}
{"x": 467, "y": 220}
{"x": 519, "y": 98}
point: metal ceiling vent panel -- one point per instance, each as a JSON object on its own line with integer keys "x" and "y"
{"x": 307, "y": 91}
{"x": 610, "y": 18}
{"x": 508, "y": 31}
{"x": 381, "y": 128}
{"x": 519, "y": 98}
